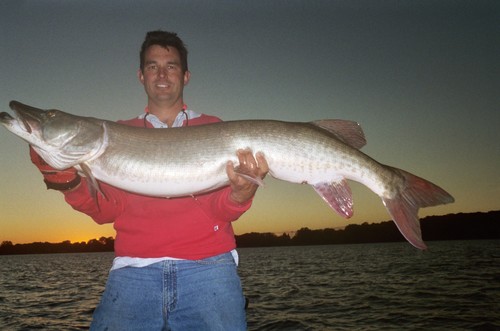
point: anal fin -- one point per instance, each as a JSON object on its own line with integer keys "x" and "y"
{"x": 338, "y": 196}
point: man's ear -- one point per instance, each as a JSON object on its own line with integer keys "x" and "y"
{"x": 187, "y": 77}
{"x": 140, "y": 76}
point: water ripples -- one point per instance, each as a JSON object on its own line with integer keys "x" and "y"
{"x": 453, "y": 286}
{"x": 51, "y": 292}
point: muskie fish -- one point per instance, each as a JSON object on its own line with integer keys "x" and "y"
{"x": 192, "y": 160}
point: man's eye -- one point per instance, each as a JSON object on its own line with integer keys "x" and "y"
{"x": 151, "y": 67}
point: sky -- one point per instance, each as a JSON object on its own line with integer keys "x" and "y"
{"x": 421, "y": 77}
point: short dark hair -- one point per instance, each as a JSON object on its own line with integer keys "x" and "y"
{"x": 164, "y": 39}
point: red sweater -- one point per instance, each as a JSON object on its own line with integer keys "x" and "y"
{"x": 187, "y": 228}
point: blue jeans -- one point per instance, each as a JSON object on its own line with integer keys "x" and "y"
{"x": 173, "y": 295}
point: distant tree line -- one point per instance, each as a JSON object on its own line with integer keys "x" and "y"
{"x": 447, "y": 227}
{"x": 94, "y": 245}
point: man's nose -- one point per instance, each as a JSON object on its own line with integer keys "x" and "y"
{"x": 162, "y": 72}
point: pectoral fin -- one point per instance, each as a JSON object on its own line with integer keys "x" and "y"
{"x": 92, "y": 182}
{"x": 338, "y": 196}
{"x": 254, "y": 179}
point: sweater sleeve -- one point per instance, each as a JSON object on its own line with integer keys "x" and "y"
{"x": 105, "y": 209}
{"x": 218, "y": 205}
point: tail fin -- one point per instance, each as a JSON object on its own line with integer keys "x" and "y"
{"x": 404, "y": 207}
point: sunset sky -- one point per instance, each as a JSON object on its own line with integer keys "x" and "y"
{"x": 421, "y": 77}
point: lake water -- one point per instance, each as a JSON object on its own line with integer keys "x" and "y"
{"x": 455, "y": 285}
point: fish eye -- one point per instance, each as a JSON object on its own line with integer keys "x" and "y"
{"x": 51, "y": 113}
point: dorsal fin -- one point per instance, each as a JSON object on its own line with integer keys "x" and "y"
{"x": 349, "y": 132}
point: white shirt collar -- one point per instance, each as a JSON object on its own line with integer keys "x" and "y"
{"x": 178, "y": 122}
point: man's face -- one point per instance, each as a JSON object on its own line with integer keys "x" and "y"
{"x": 162, "y": 74}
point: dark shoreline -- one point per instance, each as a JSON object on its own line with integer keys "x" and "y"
{"x": 462, "y": 226}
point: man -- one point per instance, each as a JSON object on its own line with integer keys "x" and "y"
{"x": 175, "y": 265}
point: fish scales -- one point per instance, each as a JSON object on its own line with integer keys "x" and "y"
{"x": 203, "y": 157}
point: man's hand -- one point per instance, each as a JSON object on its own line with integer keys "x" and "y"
{"x": 243, "y": 188}
{"x": 60, "y": 180}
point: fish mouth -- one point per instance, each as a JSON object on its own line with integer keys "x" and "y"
{"x": 8, "y": 120}
{"x": 5, "y": 117}
{"x": 26, "y": 116}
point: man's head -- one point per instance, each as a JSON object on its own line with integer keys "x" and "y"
{"x": 163, "y": 71}
{"x": 164, "y": 39}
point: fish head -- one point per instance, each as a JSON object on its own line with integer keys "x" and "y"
{"x": 61, "y": 139}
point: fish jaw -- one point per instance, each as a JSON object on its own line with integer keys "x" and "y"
{"x": 62, "y": 140}
{"x": 19, "y": 126}
{"x": 32, "y": 118}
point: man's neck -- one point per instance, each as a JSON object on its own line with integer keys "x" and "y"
{"x": 165, "y": 112}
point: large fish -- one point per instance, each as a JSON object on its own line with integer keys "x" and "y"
{"x": 192, "y": 160}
